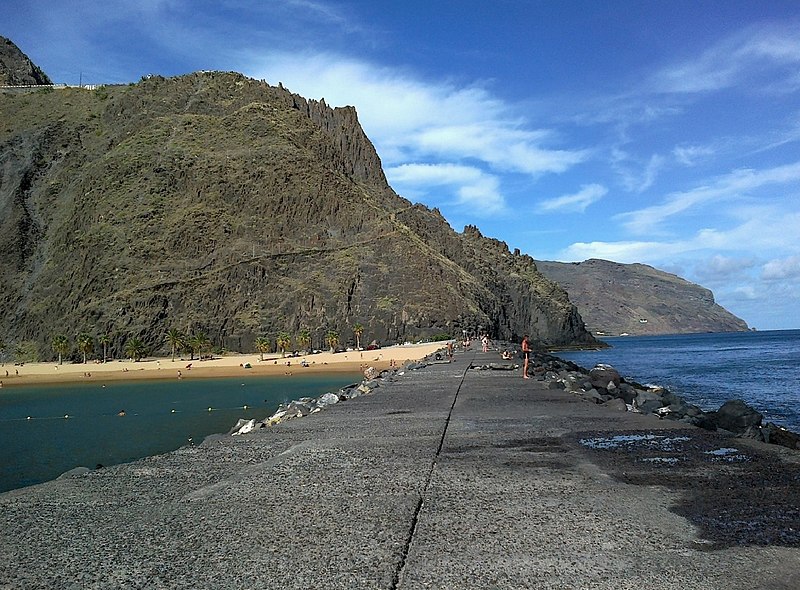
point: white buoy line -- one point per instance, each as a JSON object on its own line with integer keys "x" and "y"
{"x": 122, "y": 413}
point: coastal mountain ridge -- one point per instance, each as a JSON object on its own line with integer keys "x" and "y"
{"x": 637, "y": 299}
{"x": 16, "y": 68}
{"x": 215, "y": 203}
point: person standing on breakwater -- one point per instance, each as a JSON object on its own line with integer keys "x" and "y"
{"x": 526, "y": 349}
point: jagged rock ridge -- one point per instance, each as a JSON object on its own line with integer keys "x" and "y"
{"x": 219, "y": 203}
{"x": 637, "y": 299}
{"x": 16, "y": 69}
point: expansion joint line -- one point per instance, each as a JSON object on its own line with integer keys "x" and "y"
{"x": 421, "y": 500}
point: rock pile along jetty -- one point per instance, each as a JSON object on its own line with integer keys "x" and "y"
{"x": 305, "y": 406}
{"x": 604, "y": 385}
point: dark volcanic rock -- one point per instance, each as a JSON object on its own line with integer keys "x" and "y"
{"x": 780, "y": 436}
{"x": 16, "y": 69}
{"x": 736, "y": 416}
{"x": 220, "y": 204}
{"x": 637, "y": 299}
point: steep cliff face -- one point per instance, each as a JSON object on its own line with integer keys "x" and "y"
{"x": 216, "y": 203}
{"x": 16, "y": 69}
{"x": 637, "y": 299}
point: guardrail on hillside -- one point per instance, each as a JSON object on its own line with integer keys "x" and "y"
{"x": 53, "y": 86}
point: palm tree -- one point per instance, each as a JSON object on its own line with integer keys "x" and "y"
{"x": 332, "y": 339}
{"x": 262, "y": 345}
{"x": 304, "y": 339}
{"x": 199, "y": 343}
{"x": 85, "y": 344}
{"x": 135, "y": 349}
{"x": 283, "y": 341}
{"x": 193, "y": 344}
{"x": 358, "y": 330}
{"x": 105, "y": 340}
{"x": 176, "y": 339}
{"x": 61, "y": 346}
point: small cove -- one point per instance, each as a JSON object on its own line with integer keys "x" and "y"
{"x": 73, "y": 425}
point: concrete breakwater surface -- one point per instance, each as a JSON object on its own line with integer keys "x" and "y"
{"x": 447, "y": 476}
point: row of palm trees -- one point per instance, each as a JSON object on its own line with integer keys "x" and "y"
{"x": 283, "y": 341}
{"x": 198, "y": 343}
{"x": 85, "y": 343}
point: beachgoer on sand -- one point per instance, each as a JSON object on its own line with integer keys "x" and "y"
{"x": 526, "y": 349}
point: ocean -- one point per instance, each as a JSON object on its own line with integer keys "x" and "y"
{"x": 759, "y": 368}
{"x": 74, "y": 425}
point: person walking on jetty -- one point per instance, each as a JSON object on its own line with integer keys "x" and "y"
{"x": 526, "y": 349}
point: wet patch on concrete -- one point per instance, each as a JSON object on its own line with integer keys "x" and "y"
{"x": 734, "y": 492}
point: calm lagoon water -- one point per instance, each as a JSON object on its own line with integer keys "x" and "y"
{"x": 45, "y": 446}
{"x": 708, "y": 369}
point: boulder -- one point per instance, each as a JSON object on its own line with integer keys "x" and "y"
{"x": 736, "y": 416}
{"x": 594, "y": 395}
{"x": 650, "y": 406}
{"x": 776, "y": 435}
{"x": 626, "y": 392}
{"x": 602, "y": 375}
{"x": 243, "y": 427}
{"x": 327, "y": 400}
{"x": 706, "y": 421}
{"x": 651, "y": 398}
{"x": 616, "y": 404}
{"x": 555, "y": 385}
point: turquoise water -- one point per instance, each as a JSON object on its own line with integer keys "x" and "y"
{"x": 709, "y": 369}
{"x": 160, "y": 416}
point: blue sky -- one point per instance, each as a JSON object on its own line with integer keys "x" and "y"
{"x": 666, "y": 133}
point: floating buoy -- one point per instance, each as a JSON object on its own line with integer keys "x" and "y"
{"x": 173, "y": 410}
{"x": 209, "y": 409}
{"x": 66, "y": 415}
{"x": 29, "y": 418}
{"x": 245, "y": 406}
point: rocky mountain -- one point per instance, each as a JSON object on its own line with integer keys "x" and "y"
{"x": 215, "y": 203}
{"x": 637, "y": 299}
{"x": 16, "y": 69}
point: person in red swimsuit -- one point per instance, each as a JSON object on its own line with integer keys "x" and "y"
{"x": 526, "y": 349}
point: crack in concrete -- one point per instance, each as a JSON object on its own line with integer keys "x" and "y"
{"x": 396, "y": 579}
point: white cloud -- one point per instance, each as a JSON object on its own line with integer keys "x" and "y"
{"x": 722, "y": 268}
{"x": 636, "y": 181}
{"x": 579, "y": 201}
{"x": 689, "y": 154}
{"x": 747, "y": 292}
{"x": 625, "y": 251}
{"x": 781, "y": 269}
{"x": 500, "y": 144}
{"x": 471, "y": 186}
{"x": 736, "y": 184}
{"x": 752, "y": 53}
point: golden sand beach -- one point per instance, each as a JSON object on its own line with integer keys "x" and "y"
{"x": 232, "y": 365}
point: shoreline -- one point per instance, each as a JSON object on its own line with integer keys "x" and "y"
{"x": 233, "y": 365}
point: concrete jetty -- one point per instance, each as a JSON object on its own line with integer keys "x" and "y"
{"x": 448, "y": 477}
